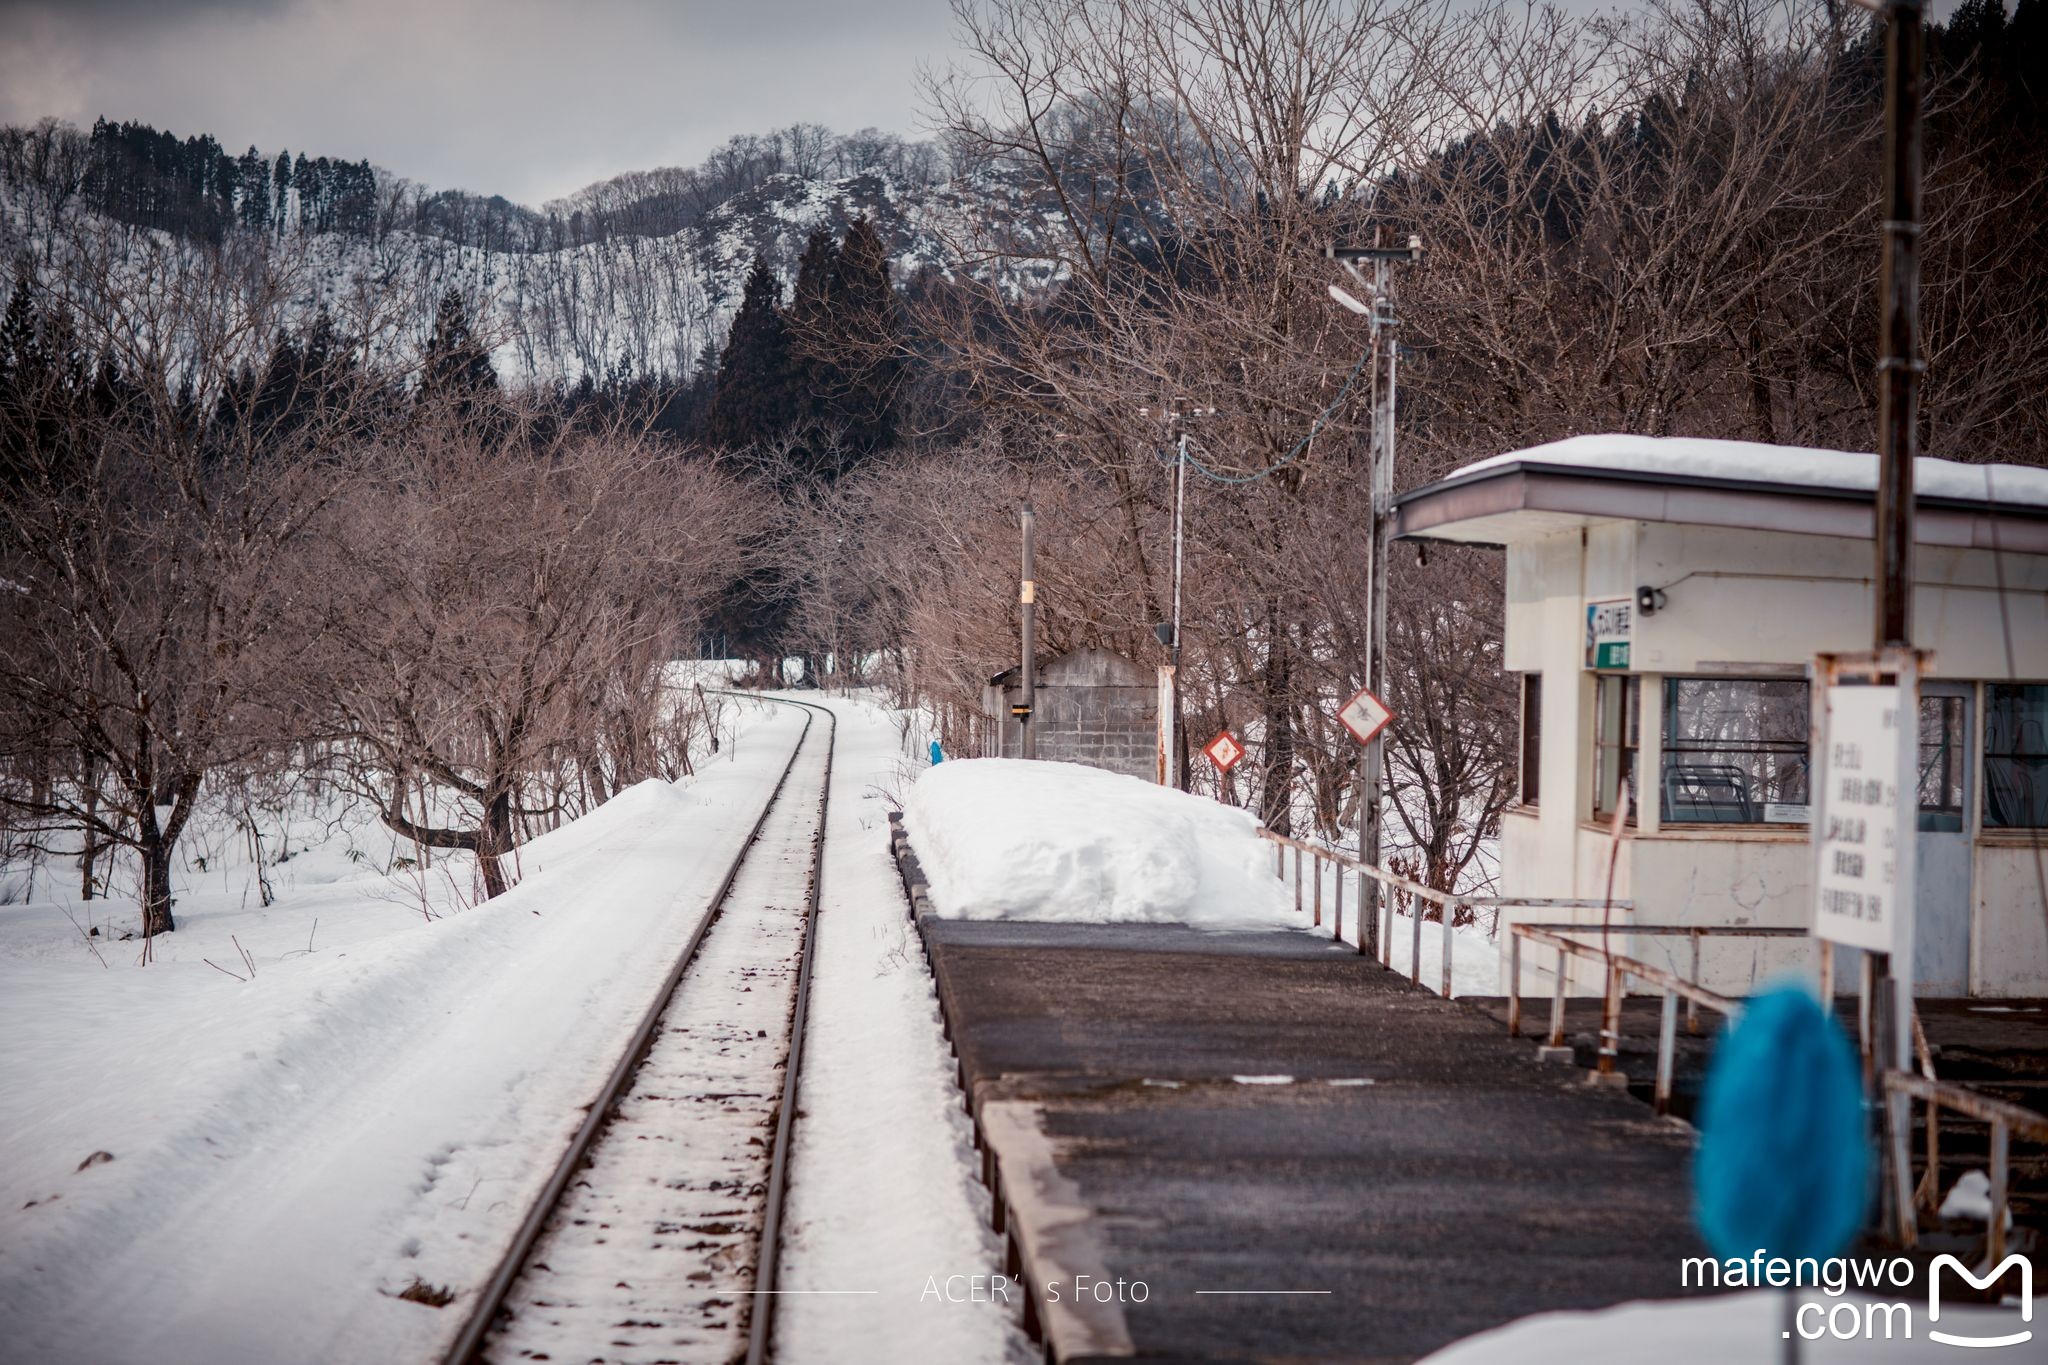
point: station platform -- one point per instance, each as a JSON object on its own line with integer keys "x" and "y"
{"x": 1296, "y": 1154}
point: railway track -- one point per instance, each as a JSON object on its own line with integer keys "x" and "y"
{"x": 656, "y": 1237}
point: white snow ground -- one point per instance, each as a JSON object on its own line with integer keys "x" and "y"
{"x": 883, "y": 1197}
{"x": 1004, "y": 838}
{"x": 1007, "y": 839}
{"x": 1731, "y": 1329}
{"x": 291, "y": 1152}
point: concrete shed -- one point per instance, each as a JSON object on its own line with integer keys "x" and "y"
{"x": 1665, "y": 603}
{"x": 1091, "y": 706}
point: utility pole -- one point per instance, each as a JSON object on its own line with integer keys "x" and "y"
{"x": 1888, "y": 995}
{"x": 1027, "y": 599}
{"x": 1386, "y": 355}
{"x": 1899, "y": 370}
{"x": 1178, "y": 415}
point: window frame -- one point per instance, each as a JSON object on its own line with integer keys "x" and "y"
{"x": 1624, "y": 752}
{"x": 1671, "y": 748}
{"x": 1993, "y": 759}
{"x": 1529, "y": 744}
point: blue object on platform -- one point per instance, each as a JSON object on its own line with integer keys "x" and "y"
{"x": 938, "y": 754}
{"x": 1783, "y": 1164}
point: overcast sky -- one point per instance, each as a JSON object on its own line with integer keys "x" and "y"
{"x": 526, "y": 98}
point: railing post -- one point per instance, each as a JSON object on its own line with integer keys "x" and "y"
{"x": 1317, "y": 868}
{"x": 1692, "y": 1006}
{"x": 1279, "y": 860}
{"x": 1383, "y": 921}
{"x": 1415, "y": 944}
{"x": 1898, "y": 1147}
{"x": 1667, "y": 1047}
{"x": 1999, "y": 1176}
{"x": 1557, "y": 1003}
{"x": 1450, "y": 909}
{"x": 1932, "y": 1181}
{"x": 1610, "y": 1021}
{"x": 1297, "y": 879}
{"x": 1337, "y": 935}
{"x": 1514, "y": 984}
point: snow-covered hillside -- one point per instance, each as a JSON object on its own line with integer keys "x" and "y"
{"x": 626, "y": 305}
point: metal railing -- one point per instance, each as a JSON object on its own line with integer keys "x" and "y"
{"x": 2006, "y": 1121}
{"x": 1448, "y": 904}
{"x": 1619, "y": 971}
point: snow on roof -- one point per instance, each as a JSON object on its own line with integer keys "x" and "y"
{"x": 1848, "y": 471}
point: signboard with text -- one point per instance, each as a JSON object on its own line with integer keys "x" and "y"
{"x": 1864, "y": 817}
{"x": 1607, "y": 632}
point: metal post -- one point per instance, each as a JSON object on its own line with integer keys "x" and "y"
{"x": 1180, "y": 493}
{"x": 1450, "y": 910}
{"x": 1414, "y": 944}
{"x": 1337, "y": 936}
{"x": 1557, "y": 1003}
{"x": 2000, "y": 1175}
{"x": 1318, "y": 868}
{"x": 1667, "y": 1049}
{"x": 1900, "y": 367}
{"x": 1297, "y": 880}
{"x": 1692, "y": 1006}
{"x": 1027, "y": 597}
{"x": 1610, "y": 1021}
{"x": 1898, "y": 395}
{"x": 1514, "y": 985}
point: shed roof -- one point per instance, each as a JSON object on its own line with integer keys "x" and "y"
{"x": 1566, "y": 484}
{"x": 1050, "y": 663}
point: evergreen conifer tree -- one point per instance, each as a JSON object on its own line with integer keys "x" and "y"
{"x": 758, "y": 396}
{"x": 456, "y": 368}
{"x": 867, "y": 333}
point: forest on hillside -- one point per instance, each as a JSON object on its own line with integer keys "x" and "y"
{"x": 313, "y": 477}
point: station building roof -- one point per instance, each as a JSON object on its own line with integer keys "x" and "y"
{"x": 1527, "y": 494}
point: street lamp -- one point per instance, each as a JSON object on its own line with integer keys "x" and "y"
{"x": 1177, "y": 418}
{"x": 1380, "y": 312}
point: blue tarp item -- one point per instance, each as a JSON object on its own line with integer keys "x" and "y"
{"x": 1783, "y": 1165}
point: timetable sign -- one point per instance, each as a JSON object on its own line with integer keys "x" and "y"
{"x": 1860, "y": 824}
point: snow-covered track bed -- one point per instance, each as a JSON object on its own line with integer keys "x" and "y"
{"x": 656, "y": 1239}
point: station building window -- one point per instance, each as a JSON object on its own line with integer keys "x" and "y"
{"x": 1735, "y": 751}
{"x": 1617, "y": 733}
{"x": 1943, "y": 752}
{"x": 1532, "y": 738}
{"x": 2016, "y": 756}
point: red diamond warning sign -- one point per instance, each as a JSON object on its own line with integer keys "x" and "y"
{"x": 1224, "y": 751}
{"x": 1365, "y": 716}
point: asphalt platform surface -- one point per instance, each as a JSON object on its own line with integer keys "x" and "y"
{"x": 1183, "y": 1088}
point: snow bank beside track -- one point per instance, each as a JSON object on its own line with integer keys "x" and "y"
{"x": 1014, "y": 839}
{"x": 290, "y": 1154}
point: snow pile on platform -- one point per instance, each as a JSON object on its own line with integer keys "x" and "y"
{"x": 1010, "y": 839}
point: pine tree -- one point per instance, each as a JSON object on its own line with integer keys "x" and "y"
{"x": 759, "y": 395}
{"x": 867, "y": 337}
{"x": 456, "y": 368}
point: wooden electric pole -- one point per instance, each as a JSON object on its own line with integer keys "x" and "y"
{"x": 1027, "y": 600}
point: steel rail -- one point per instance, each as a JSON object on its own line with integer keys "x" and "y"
{"x": 468, "y": 1347}
{"x": 761, "y": 1322}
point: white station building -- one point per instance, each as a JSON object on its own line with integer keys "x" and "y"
{"x": 1665, "y": 601}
